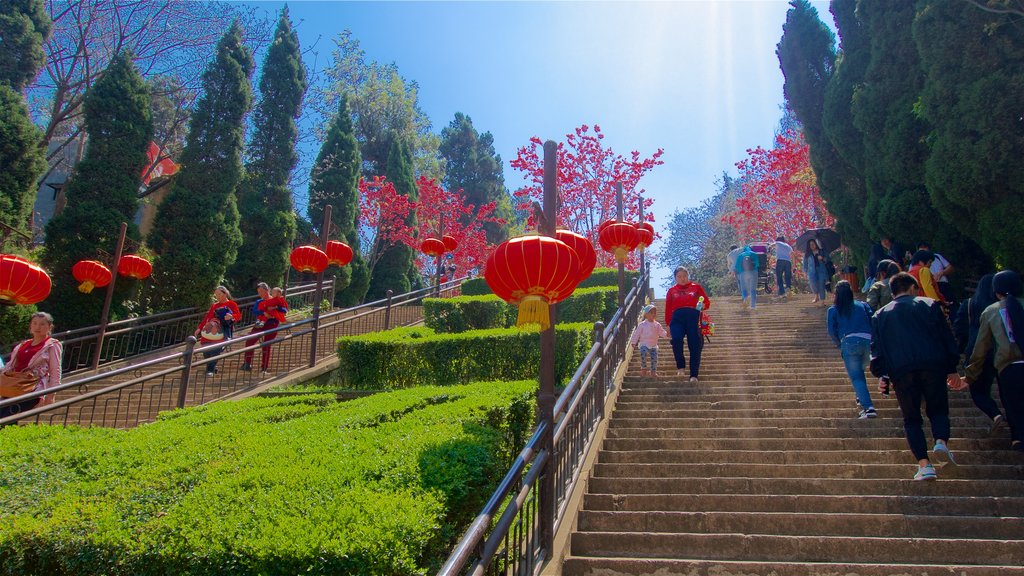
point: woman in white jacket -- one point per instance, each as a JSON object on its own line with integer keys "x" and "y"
{"x": 41, "y": 356}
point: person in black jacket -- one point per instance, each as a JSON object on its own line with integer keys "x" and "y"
{"x": 912, "y": 343}
{"x": 968, "y": 321}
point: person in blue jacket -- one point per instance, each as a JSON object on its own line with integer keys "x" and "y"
{"x": 849, "y": 327}
{"x": 746, "y": 271}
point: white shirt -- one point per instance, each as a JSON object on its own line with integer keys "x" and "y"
{"x": 937, "y": 266}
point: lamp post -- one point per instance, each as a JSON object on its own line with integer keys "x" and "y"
{"x": 546, "y": 391}
{"x": 622, "y": 265}
{"x": 105, "y": 314}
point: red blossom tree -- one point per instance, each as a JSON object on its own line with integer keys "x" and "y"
{"x": 382, "y": 218}
{"x": 441, "y": 212}
{"x": 587, "y": 174}
{"x": 780, "y": 194}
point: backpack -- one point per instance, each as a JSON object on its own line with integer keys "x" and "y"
{"x": 748, "y": 262}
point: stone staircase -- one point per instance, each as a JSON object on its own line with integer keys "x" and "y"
{"x": 762, "y": 468}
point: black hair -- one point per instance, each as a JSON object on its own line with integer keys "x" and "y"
{"x": 843, "y": 299}
{"x": 922, "y": 257}
{"x": 679, "y": 269}
{"x": 883, "y": 268}
{"x": 1008, "y": 283}
{"x": 983, "y": 297}
{"x": 901, "y": 283}
{"x": 733, "y": 247}
{"x": 780, "y": 239}
{"x": 894, "y": 269}
{"x": 816, "y": 245}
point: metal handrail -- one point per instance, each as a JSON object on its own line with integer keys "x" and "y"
{"x": 578, "y": 410}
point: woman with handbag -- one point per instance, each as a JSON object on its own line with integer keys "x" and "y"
{"x": 218, "y": 325}
{"x": 34, "y": 366}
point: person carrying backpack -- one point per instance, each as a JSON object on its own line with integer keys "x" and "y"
{"x": 746, "y": 270}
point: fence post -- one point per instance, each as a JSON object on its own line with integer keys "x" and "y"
{"x": 190, "y": 344}
{"x": 387, "y": 310}
{"x": 602, "y": 388}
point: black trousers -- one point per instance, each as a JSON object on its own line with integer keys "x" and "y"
{"x": 686, "y": 325}
{"x": 911, "y": 389}
{"x": 981, "y": 390}
{"x": 1011, "y": 392}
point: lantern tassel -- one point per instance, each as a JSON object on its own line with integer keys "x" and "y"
{"x": 534, "y": 310}
{"x": 86, "y": 287}
{"x": 620, "y": 255}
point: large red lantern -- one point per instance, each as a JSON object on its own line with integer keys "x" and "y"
{"x": 134, "y": 266}
{"x": 90, "y": 274}
{"x": 432, "y": 247}
{"x": 584, "y": 249}
{"x": 620, "y": 239}
{"x": 338, "y": 253}
{"x": 21, "y": 281}
{"x": 450, "y": 243}
{"x": 533, "y": 272}
{"x": 309, "y": 259}
{"x": 606, "y": 224}
{"x": 646, "y": 232}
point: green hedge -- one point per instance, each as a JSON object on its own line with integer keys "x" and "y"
{"x": 488, "y": 311}
{"x": 408, "y": 357}
{"x": 600, "y": 277}
{"x": 300, "y": 485}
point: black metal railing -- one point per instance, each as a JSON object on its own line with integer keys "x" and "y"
{"x": 505, "y": 538}
{"x": 131, "y": 395}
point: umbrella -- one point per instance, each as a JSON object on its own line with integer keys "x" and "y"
{"x": 827, "y": 239}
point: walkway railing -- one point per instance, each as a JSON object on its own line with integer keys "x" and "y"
{"x": 505, "y": 538}
{"x": 132, "y": 395}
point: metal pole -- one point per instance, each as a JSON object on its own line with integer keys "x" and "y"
{"x": 387, "y": 309}
{"x": 105, "y": 314}
{"x": 643, "y": 256}
{"x": 325, "y": 232}
{"x": 622, "y": 265}
{"x": 546, "y": 392}
{"x": 440, "y": 236}
{"x": 190, "y": 344}
{"x": 602, "y": 385}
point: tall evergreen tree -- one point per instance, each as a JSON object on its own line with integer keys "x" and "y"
{"x": 264, "y": 198}
{"x": 24, "y": 27}
{"x": 398, "y": 261}
{"x": 807, "y": 56}
{"x": 973, "y": 96}
{"x": 103, "y": 190}
{"x": 196, "y": 232}
{"x": 335, "y": 182}
{"x": 473, "y": 166}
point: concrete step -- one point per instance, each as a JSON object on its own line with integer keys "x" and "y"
{"x": 994, "y": 445}
{"x": 713, "y": 422}
{"x": 904, "y": 486}
{"x": 603, "y": 566}
{"x": 787, "y": 457}
{"x": 856, "y": 428}
{"x": 762, "y": 471}
{"x": 838, "y": 410}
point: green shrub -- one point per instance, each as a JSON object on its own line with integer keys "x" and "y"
{"x": 488, "y": 311}
{"x": 599, "y": 277}
{"x": 380, "y": 485}
{"x": 475, "y": 287}
{"x": 408, "y": 357}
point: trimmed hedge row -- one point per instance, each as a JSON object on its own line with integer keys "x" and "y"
{"x": 488, "y": 311}
{"x": 380, "y": 485}
{"x": 599, "y": 277}
{"x": 408, "y": 357}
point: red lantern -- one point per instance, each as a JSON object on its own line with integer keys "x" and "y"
{"x": 450, "y": 243}
{"x": 619, "y": 238}
{"x": 605, "y": 224}
{"x": 583, "y": 248}
{"x": 134, "y": 266}
{"x": 533, "y": 272}
{"x": 338, "y": 253}
{"x": 646, "y": 232}
{"x": 309, "y": 259}
{"x": 21, "y": 281}
{"x": 432, "y": 247}
{"x": 90, "y": 274}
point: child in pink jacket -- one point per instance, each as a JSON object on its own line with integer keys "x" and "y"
{"x": 646, "y": 338}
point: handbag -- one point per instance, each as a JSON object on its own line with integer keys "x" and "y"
{"x": 14, "y": 384}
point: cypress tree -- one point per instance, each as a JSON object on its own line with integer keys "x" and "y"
{"x": 397, "y": 263}
{"x": 264, "y": 198}
{"x": 103, "y": 190}
{"x": 196, "y": 231}
{"x": 24, "y": 27}
{"x": 335, "y": 182}
{"x": 972, "y": 97}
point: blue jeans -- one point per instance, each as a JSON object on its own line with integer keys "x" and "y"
{"x": 748, "y": 280}
{"x": 740, "y": 287}
{"x": 856, "y": 353}
{"x": 816, "y": 278}
{"x": 783, "y": 275}
{"x": 647, "y": 352}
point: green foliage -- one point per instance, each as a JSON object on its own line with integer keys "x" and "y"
{"x": 408, "y": 357}
{"x": 335, "y": 182}
{"x": 488, "y": 311}
{"x": 24, "y": 27}
{"x": 196, "y": 231}
{"x": 22, "y": 160}
{"x": 473, "y": 166}
{"x": 599, "y": 277}
{"x": 397, "y": 264}
{"x": 379, "y": 485}
{"x": 102, "y": 192}
{"x": 264, "y": 198}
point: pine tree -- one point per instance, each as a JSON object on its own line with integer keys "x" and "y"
{"x": 264, "y": 198}
{"x": 335, "y": 182}
{"x": 473, "y": 166}
{"x": 196, "y": 231}
{"x": 102, "y": 192}
{"x": 398, "y": 261}
{"x": 24, "y": 27}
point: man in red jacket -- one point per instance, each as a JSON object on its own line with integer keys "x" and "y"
{"x": 684, "y": 303}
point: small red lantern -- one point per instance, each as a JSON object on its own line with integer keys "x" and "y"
{"x": 533, "y": 272}
{"x": 90, "y": 274}
{"x": 309, "y": 259}
{"x": 134, "y": 266}
{"x": 583, "y": 248}
{"x": 646, "y": 232}
{"x": 450, "y": 243}
{"x": 21, "y": 281}
{"x": 432, "y": 247}
{"x": 619, "y": 238}
{"x": 338, "y": 253}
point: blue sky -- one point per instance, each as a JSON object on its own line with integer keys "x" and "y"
{"x": 697, "y": 78}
